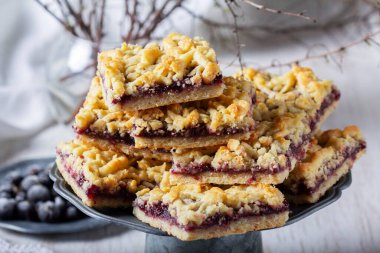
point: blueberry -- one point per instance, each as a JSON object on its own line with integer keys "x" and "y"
{"x": 38, "y": 193}
{"x": 72, "y": 213}
{"x": 44, "y": 172}
{"x": 14, "y": 177}
{"x": 59, "y": 203}
{"x": 29, "y": 181}
{"x": 25, "y": 210}
{"x": 33, "y": 169}
{"x": 20, "y": 196}
{"x": 47, "y": 211}
{"x": 6, "y": 187}
{"x": 53, "y": 193}
{"x": 5, "y": 195}
{"x": 7, "y": 208}
{"x": 44, "y": 179}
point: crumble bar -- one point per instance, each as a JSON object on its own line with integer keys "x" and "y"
{"x": 195, "y": 211}
{"x": 96, "y": 125}
{"x": 289, "y": 109}
{"x": 199, "y": 123}
{"x": 105, "y": 178}
{"x": 153, "y": 131}
{"x": 176, "y": 70}
{"x": 331, "y": 155}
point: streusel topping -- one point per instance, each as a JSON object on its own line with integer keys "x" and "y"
{"x": 327, "y": 150}
{"x": 231, "y": 109}
{"x": 194, "y": 203}
{"x": 266, "y": 148}
{"x": 126, "y": 69}
{"x": 299, "y": 88}
{"x": 284, "y": 107}
{"x": 108, "y": 169}
{"x": 95, "y": 115}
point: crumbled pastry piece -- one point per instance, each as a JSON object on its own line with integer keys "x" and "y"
{"x": 180, "y": 125}
{"x": 298, "y": 90}
{"x": 95, "y": 118}
{"x": 129, "y": 150}
{"x": 185, "y": 125}
{"x": 192, "y": 211}
{"x": 229, "y": 110}
{"x": 106, "y": 178}
{"x": 97, "y": 125}
{"x": 288, "y": 109}
{"x": 178, "y": 63}
{"x": 331, "y": 155}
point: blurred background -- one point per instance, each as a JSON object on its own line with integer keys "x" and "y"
{"x": 48, "y": 55}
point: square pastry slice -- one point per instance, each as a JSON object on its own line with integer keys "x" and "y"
{"x": 153, "y": 131}
{"x": 105, "y": 178}
{"x": 199, "y": 123}
{"x": 96, "y": 125}
{"x": 331, "y": 155}
{"x": 288, "y": 110}
{"x": 195, "y": 211}
{"x": 176, "y": 70}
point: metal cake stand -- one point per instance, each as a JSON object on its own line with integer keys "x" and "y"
{"x": 158, "y": 241}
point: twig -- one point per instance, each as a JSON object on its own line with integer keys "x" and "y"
{"x": 100, "y": 26}
{"x": 63, "y": 23}
{"x": 73, "y": 74}
{"x": 366, "y": 39}
{"x": 355, "y": 18}
{"x": 159, "y": 16}
{"x": 276, "y": 11}
{"x": 236, "y": 32}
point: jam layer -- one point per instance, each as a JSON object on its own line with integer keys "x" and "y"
{"x": 348, "y": 154}
{"x": 326, "y": 103}
{"x": 161, "y": 211}
{"x": 112, "y": 138}
{"x": 198, "y": 131}
{"x": 159, "y": 89}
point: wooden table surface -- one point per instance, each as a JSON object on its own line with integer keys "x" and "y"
{"x": 352, "y": 224}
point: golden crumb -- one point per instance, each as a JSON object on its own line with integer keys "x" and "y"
{"x": 177, "y": 56}
{"x": 110, "y": 169}
{"x": 230, "y": 110}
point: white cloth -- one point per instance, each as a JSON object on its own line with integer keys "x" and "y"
{"x": 26, "y": 95}
{"x": 9, "y": 247}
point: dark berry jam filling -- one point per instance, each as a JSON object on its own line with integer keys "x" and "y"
{"x": 348, "y": 154}
{"x": 176, "y": 86}
{"x": 112, "y": 138}
{"x": 161, "y": 211}
{"x": 194, "y": 132}
{"x": 326, "y": 103}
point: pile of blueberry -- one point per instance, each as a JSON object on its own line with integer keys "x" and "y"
{"x": 29, "y": 195}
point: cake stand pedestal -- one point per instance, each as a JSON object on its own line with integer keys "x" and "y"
{"x": 249, "y": 242}
{"x": 158, "y": 241}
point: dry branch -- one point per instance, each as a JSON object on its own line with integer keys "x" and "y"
{"x": 369, "y": 38}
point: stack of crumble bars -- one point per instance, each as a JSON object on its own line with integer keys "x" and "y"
{"x": 197, "y": 154}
